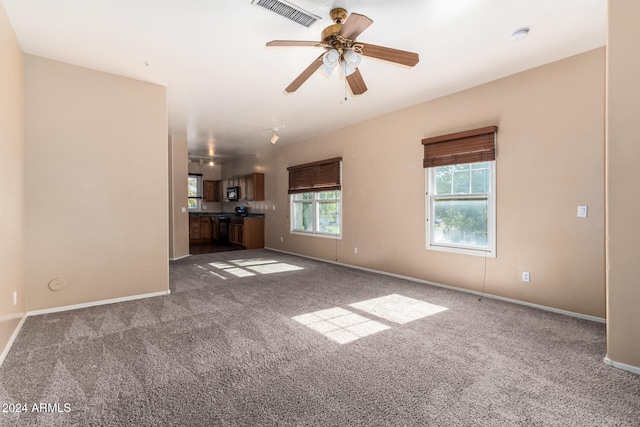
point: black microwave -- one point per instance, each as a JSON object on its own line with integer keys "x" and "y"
{"x": 233, "y": 193}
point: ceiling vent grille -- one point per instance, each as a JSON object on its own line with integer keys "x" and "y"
{"x": 289, "y": 11}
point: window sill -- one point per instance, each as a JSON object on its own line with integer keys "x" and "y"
{"x": 310, "y": 234}
{"x": 463, "y": 251}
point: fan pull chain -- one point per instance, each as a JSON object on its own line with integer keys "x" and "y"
{"x": 345, "y": 89}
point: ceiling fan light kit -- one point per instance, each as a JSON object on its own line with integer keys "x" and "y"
{"x": 339, "y": 42}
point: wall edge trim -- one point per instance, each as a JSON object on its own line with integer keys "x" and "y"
{"x": 96, "y": 303}
{"x": 454, "y": 288}
{"x": 623, "y": 366}
{"x": 7, "y": 348}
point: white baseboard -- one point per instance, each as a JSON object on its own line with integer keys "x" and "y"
{"x": 180, "y": 257}
{"x": 12, "y": 339}
{"x": 454, "y": 288}
{"x": 623, "y": 366}
{"x": 95, "y": 303}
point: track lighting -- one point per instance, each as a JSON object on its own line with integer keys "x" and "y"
{"x": 202, "y": 160}
{"x": 274, "y": 138}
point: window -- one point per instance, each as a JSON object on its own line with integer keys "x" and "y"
{"x": 460, "y": 201}
{"x": 316, "y": 198}
{"x": 316, "y": 213}
{"x": 460, "y": 208}
{"x": 194, "y": 192}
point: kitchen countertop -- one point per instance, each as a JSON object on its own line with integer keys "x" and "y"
{"x": 229, "y": 214}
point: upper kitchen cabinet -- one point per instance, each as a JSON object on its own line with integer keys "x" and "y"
{"x": 251, "y": 186}
{"x": 254, "y": 186}
{"x": 211, "y": 190}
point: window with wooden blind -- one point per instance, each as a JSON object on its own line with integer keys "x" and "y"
{"x": 316, "y": 198}
{"x": 317, "y": 176}
{"x": 478, "y": 145}
{"x": 460, "y": 197}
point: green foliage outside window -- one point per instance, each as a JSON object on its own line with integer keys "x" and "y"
{"x": 461, "y": 219}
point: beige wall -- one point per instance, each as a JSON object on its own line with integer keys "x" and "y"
{"x": 97, "y": 186}
{"x": 550, "y": 160}
{"x": 178, "y": 220}
{"x": 12, "y": 181}
{"x": 623, "y": 182}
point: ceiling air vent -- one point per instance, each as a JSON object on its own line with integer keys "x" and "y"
{"x": 289, "y": 11}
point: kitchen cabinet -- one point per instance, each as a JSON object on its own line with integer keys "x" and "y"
{"x": 211, "y": 190}
{"x": 247, "y": 232}
{"x": 236, "y": 233}
{"x": 254, "y": 186}
{"x": 200, "y": 228}
{"x": 251, "y": 186}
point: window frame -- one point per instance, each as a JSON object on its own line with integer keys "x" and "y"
{"x": 315, "y": 204}
{"x": 430, "y": 197}
{"x": 198, "y": 198}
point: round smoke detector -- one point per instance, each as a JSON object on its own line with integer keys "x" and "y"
{"x": 520, "y": 33}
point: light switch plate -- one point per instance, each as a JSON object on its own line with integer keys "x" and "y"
{"x": 582, "y": 211}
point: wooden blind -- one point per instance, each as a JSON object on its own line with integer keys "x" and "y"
{"x": 317, "y": 176}
{"x": 478, "y": 145}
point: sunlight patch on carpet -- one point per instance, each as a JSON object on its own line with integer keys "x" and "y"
{"x": 251, "y": 266}
{"x": 340, "y": 325}
{"x": 398, "y": 308}
{"x": 252, "y": 261}
{"x": 279, "y": 267}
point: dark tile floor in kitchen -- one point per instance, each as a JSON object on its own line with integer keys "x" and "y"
{"x": 207, "y": 248}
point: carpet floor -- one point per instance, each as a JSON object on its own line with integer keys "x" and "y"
{"x": 260, "y": 338}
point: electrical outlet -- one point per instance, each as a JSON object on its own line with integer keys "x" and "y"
{"x": 281, "y": 239}
{"x": 525, "y": 276}
{"x": 15, "y": 297}
{"x": 355, "y": 250}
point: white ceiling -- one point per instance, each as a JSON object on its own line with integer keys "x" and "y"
{"x": 225, "y": 87}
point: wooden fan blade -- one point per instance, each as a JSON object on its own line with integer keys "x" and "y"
{"x": 391, "y": 55}
{"x": 292, "y": 43}
{"x": 312, "y": 68}
{"x": 354, "y": 26}
{"x": 356, "y": 83}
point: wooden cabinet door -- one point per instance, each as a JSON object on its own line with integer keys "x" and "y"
{"x": 233, "y": 233}
{"x": 205, "y": 227}
{"x": 211, "y": 191}
{"x": 240, "y": 235}
{"x": 194, "y": 227}
{"x": 254, "y": 185}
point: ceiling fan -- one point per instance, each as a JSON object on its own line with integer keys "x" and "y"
{"x": 341, "y": 48}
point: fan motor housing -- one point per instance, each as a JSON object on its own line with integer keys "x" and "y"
{"x": 331, "y": 31}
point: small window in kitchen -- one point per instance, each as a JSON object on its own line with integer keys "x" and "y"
{"x": 460, "y": 172}
{"x": 194, "y": 191}
{"x": 316, "y": 198}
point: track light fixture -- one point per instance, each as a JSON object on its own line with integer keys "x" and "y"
{"x": 202, "y": 160}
